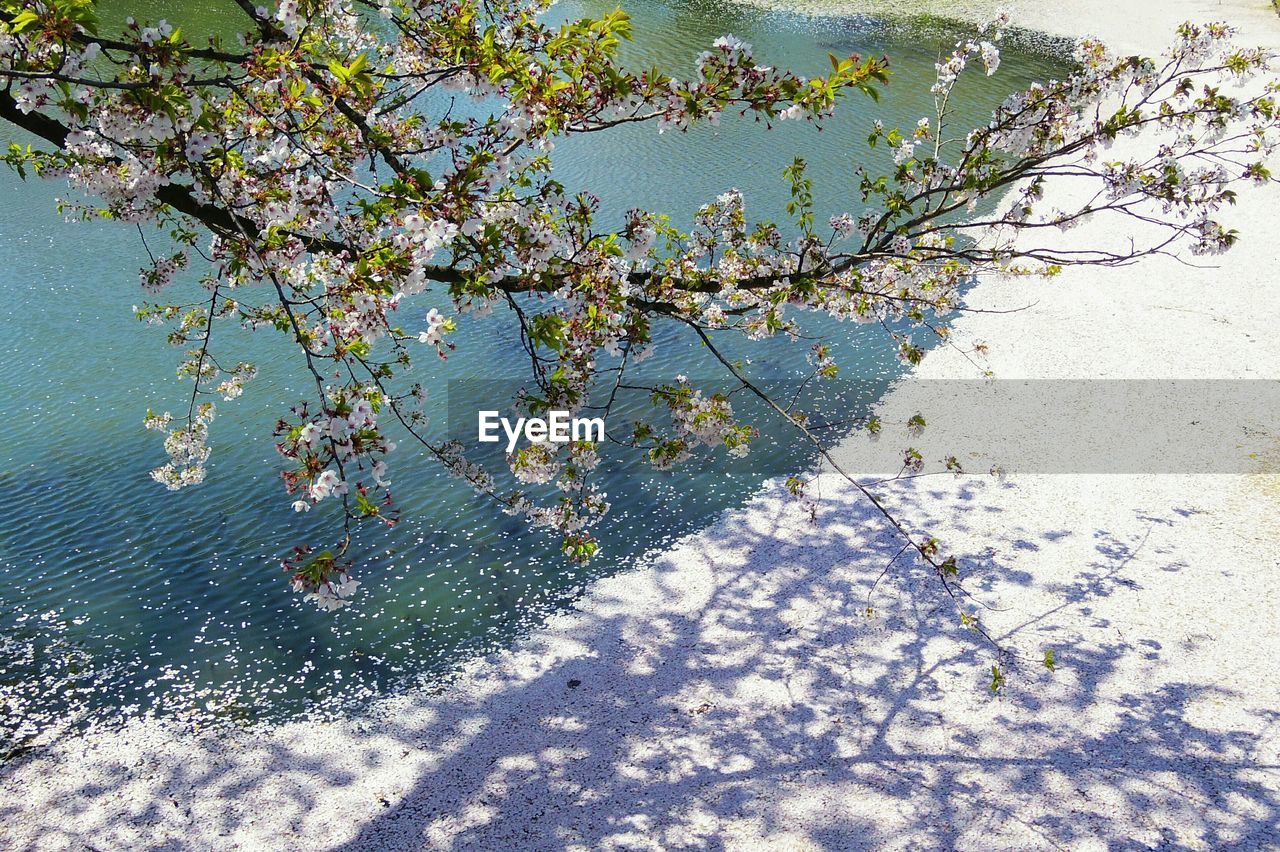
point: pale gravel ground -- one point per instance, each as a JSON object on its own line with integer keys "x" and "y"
{"x": 736, "y": 694}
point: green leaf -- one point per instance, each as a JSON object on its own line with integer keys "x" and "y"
{"x": 547, "y": 330}
{"x": 23, "y": 20}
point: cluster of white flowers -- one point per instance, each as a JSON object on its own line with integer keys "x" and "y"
{"x": 162, "y": 271}
{"x": 990, "y": 56}
{"x": 198, "y": 145}
{"x": 454, "y": 457}
{"x": 153, "y": 35}
{"x": 842, "y": 225}
{"x": 1211, "y": 237}
{"x": 424, "y": 236}
{"x": 707, "y": 421}
{"x": 332, "y": 594}
{"x": 327, "y": 483}
{"x": 187, "y": 446}
{"x": 344, "y": 436}
{"x": 233, "y": 385}
{"x": 641, "y": 233}
{"x": 435, "y": 326}
{"x": 535, "y": 464}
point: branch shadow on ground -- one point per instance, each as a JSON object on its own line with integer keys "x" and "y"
{"x": 785, "y": 689}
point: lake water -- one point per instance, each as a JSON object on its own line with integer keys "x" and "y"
{"x": 116, "y": 595}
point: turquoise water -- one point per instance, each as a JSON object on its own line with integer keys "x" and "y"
{"x": 116, "y": 594}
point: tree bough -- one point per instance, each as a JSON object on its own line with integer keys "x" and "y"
{"x": 302, "y": 169}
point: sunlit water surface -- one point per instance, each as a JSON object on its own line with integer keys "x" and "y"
{"x": 118, "y": 596}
